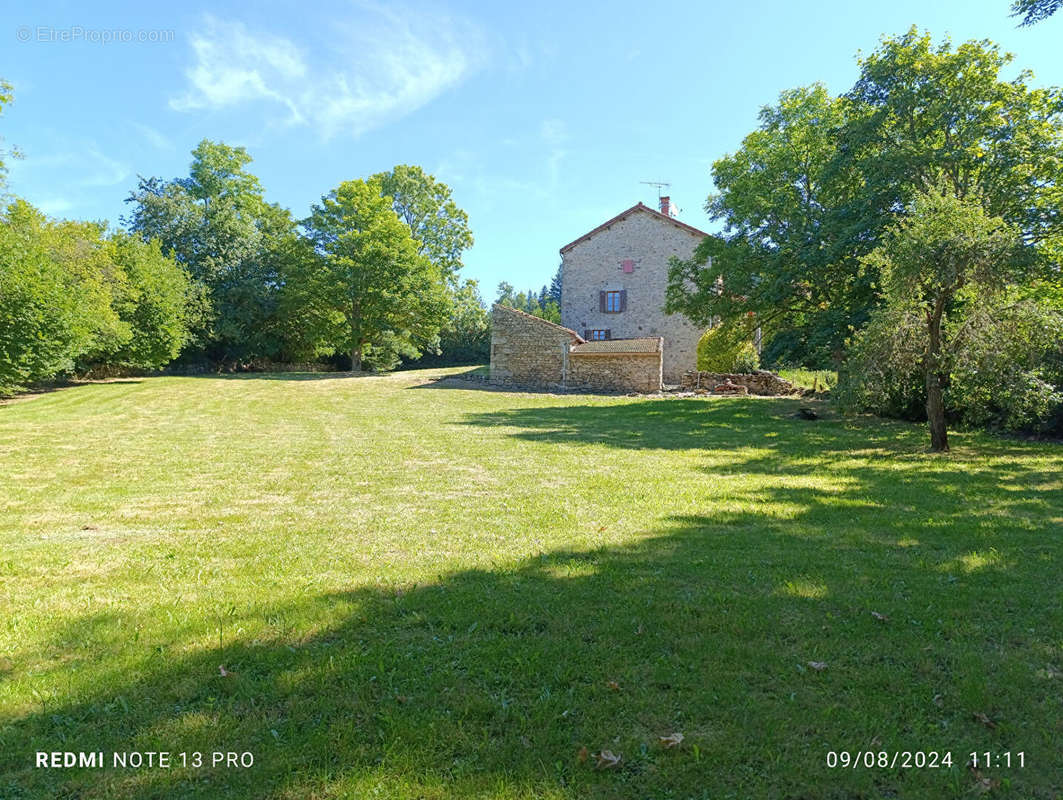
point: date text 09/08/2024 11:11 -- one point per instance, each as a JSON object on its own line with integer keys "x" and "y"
{"x": 920, "y": 759}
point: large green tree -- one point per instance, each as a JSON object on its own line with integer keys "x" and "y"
{"x": 152, "y": 301}
{"x": 73, "y": 299}
{"x": 812, "y": 190}
{"x": 922, "y": 116}
{"x": 425, "y": 204}
{"x": 791, "y": 242}
{"x": 219, "y": 227}
{"x": 366, "y": 287}
{"x": 46, "y": 319}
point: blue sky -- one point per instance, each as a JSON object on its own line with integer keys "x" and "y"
{"x": 542, "y": 117}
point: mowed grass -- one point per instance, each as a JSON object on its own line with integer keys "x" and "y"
{"x": 422, "y": 589}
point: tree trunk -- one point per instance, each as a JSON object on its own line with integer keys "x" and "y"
{"x": 935, "y": 412}
{"x": 935, "y": 382}
{"x": 356, "y": 359}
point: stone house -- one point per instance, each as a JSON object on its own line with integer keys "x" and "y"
{"x": 614, "y": 277}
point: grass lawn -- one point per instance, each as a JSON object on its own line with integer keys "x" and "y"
{"x": 422, "y": 589}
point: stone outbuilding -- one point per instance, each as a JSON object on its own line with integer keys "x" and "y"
{"x": 614, "y": 279}
{"x": 527, "y": 351}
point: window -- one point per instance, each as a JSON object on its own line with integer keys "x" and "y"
{"x": 612, "y": 302}
{"x": 597, "y": 336}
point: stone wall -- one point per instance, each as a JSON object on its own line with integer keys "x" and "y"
{"x": 527, "y": 350}
{"x": 616, "y": 372}
{"x": 760, "y": 382}
{"x": 597, "y": 264}
{"x": 530, "y": 352}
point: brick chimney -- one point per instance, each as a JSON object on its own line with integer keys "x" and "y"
{"x": 666, "y": 206}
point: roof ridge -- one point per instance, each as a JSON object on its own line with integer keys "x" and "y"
{"x": 579, "y": 339}
{"x": 639, "y": 206}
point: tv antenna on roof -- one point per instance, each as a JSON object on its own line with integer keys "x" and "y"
{"x": 659, "y": 184}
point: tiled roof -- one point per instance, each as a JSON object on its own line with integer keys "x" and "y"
{"x": 608, "y": 346}
{"x": 637, "y": 207}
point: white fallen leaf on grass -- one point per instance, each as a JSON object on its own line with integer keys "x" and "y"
{"x": 607, "y": 759}
{"x": 672, "y": 740}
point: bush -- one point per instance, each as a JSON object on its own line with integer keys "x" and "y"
{"x": 727, "y": 348}
{"x": 747, "y": 359}
{"x": 882, "y": 374}
{"x": 1006, "y": 372}
{"x": 45, "y": 323}
{"x": 1010, "y": 373}
{"x": 72, "y": 300}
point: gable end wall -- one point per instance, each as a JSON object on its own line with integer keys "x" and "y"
{"x": 596, "y": 265}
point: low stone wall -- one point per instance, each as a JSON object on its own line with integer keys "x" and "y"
{"x": 760, "y": 382}
{"x": 622, "y": 372}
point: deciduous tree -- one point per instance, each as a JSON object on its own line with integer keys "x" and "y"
{"x": 812, "y": 190}
{"x": 219, "y": 227}
{"x": 383, "y": 298}
{"x": 440, "y": 228}
{"x": 945, "y": 246}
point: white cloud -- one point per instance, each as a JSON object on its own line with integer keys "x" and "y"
{"x": 54, "y": 206}
{"x": 155, "y": 138}
{"x": 554, "y": 133}
{"x": 80, "y": 165}
{"x": 102, "y": 170}
{"x": 364, "y": 75}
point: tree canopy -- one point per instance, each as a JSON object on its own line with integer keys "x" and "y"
{"x": 440, "y": 228}
{"x": 383, "y": 297}
{"x": 219, "y": 227}
{"x": 811, "y": 191}
{"x": 1034, "y": 11}
{"x": 73, "y": 299}
{"x": 926, "y": 259}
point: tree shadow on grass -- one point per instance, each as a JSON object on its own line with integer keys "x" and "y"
{"x": 487, "y": 683}
{"x": 59, "y": 386}
{"x": 475, "y": 380}
{"x": 731, "y": 423}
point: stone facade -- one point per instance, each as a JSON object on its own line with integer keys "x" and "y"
{"x": 630, "y": 254}
{"x": 620, "y": 372}
{"x": 527, "y": 350}
{"x": 760, "y": 382}
{"x": 530, "y": 352}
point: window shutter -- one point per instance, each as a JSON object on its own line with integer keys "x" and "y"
{"x": 623, "y": 299}
{"x": 586, "y": 334}
{"x": 601, "y": 302}
{"x": 608, "y": 334}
